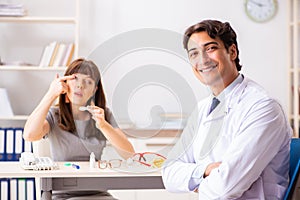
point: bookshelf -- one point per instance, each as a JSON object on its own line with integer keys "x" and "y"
{"x": 30, "y": 68}
{"x": 293, "y": 65}
{"x": 29, "y": 19}
{"x": 11, "y": 73}
{"x": 74, "y": 20}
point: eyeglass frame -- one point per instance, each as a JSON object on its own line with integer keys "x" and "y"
{"x": 108, "y": 163}
{"x": 141, "y": 156}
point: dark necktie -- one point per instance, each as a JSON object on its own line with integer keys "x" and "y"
{"x": 214, "y": 104}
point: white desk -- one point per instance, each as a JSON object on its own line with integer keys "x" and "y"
{"x": 68, "y": 178}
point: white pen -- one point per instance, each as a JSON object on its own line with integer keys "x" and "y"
{"x": 83, "y": 108}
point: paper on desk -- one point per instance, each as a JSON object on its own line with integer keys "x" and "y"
{"x": 136, "y": 168}
{"x": 5, "y": 107}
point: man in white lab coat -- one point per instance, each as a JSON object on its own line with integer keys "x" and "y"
{"x": 240, "y": 148}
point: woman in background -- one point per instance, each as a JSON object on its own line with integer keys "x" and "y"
{"x": 81, "y": 123}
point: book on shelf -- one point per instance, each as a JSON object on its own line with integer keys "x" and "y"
{"x": 69, "y": 54}
{"x": 57, "y": 61}
{"x": 47, "y": 54}
{"x": 54, "y": 53}
{"x": 57, "y": 54}
{"x": 12, "y": 10}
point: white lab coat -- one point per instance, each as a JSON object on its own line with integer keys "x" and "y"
{"x": 252, "y": 143}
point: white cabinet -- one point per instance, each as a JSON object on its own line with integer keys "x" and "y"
{"x": 27, "y": 84}
{"x": 36, "y": 28}
{"x": 294, "y": 65}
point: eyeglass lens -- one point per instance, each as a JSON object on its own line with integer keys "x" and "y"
{"x": 102, "y": 164}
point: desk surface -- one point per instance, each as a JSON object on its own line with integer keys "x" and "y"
{"x": 69, "y": 178}
{"x": 14, "y": 170}
{"x": 150, "y": 133}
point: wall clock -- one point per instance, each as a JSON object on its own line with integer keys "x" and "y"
{"x": 261, "y": 10}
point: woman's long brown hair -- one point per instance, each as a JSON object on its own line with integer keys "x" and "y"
{"x": 87, "y": 67}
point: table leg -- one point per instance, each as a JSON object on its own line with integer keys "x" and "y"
{"x": 37, "y": 188}
{"x": 46, "y": 188}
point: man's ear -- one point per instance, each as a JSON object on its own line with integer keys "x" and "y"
{"x": 233, "y": 52}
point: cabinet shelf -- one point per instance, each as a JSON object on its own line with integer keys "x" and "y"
{"x": 293, "y": 65}
{"x": 15, "y": 117}
{"x": 32, "y": 19}
{"x": 31, "y": 68}
{"x": 293, "y": 70}
{"x": 292, "y": 23}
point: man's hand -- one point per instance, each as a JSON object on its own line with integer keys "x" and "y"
{"x": 210, "y": 167}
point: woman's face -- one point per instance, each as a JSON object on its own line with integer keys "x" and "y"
{"x": 81, "y": 89}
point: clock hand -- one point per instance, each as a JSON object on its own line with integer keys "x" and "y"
{"x": 257, "y": 3}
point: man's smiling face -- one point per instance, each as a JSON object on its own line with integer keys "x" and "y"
{"x": 212, "y": 64}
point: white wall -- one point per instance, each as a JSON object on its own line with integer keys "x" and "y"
{"x": 262, "y": 47}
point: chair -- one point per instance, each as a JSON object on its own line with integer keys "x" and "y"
{"x": 294, "y": 167}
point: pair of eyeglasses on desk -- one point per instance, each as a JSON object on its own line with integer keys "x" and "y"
{"x": 114, "y": 163}
{"x": 148, "y": 159}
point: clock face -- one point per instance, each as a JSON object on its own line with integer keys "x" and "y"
{"x": 261, "y": 10}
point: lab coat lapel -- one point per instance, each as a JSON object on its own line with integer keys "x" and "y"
{"x": 228, "y": 103}
{"x": 212, "y": 125}
{"x": 211, "y": 129}
{"x": 217, "y": 113}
